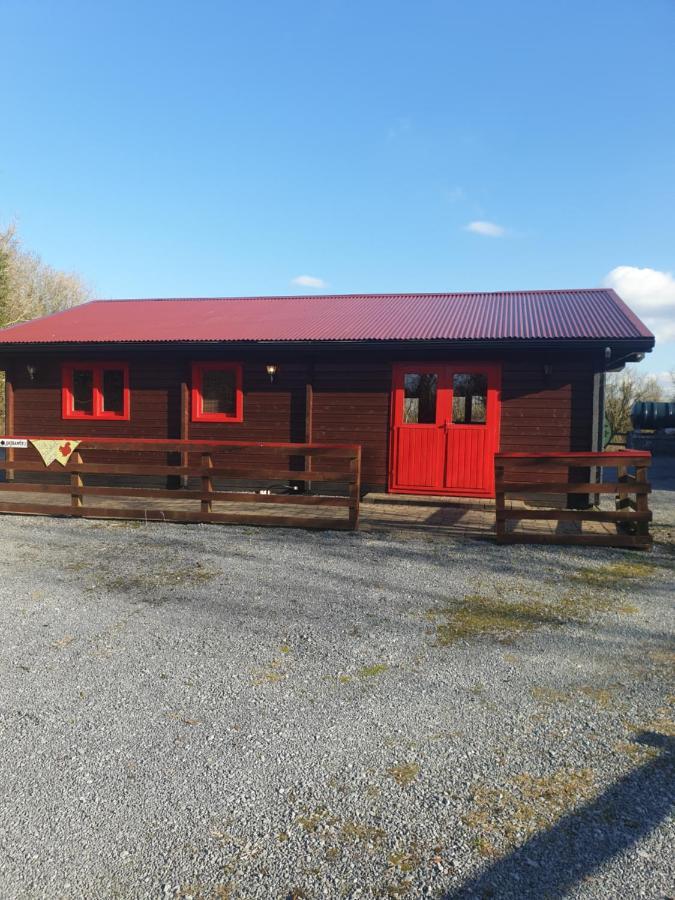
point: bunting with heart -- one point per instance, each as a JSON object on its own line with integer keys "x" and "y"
{"x": 58, "y": 450}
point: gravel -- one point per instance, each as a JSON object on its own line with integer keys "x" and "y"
{"x": 213, "y": 712}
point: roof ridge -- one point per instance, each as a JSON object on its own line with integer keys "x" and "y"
{"x": 357, "y": 296}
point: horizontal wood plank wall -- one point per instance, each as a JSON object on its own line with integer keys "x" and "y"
{"x": 272, "y": 411}
{"x": 351, "y": 397}
{"x": 351, "y": 400}
{"x": 547, "y": 413}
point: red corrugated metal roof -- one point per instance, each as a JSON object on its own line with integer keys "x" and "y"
{"x": 595, "y": 314}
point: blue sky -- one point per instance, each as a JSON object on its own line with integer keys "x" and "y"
{"x": 215, "y": 148}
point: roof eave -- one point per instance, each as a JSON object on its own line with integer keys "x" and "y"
{"x": 636, "y": 344}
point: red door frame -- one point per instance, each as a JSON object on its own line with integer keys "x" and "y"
{"x": 491, "y": 428}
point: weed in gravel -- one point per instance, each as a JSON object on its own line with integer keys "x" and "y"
{"x": 405, "y": 773}
{"x": 663, "y": 659}
{"x": 269, "y": 675}
{"x": 478, "y": 615}
{"x": 579, "y": 607}
{"x": 161, "y": 578}
{"x": 399, "y": 889}
{"x": 372, "y": 671}
{"x": 602, "y": 696}
{"x": 639, "y": 753}
{"x": 63, "y": 642}
{"x": 358, "y": 831}
{"x": 662, "y": 725}
{"x": 512, "y": 659}
{"x": 550, "y": 696}
{"x": 505, "y": 817}
{"x": 405, "y": 860}
{"x": 197, "y": 891}
{"x": 613, "y": 573}
{"x": 310, "y": 820}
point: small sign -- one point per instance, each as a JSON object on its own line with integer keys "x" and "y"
{"x": 13, "y": 442}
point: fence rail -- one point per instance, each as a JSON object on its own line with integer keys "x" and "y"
{"x": 630, "y": 516}
{"x": 198, "y": 464}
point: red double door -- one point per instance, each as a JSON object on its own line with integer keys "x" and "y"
{"x": 445, "y": 428}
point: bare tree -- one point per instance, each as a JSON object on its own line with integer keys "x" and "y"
{"x": 622, "y": 390}
{"x": 30, "y": 288}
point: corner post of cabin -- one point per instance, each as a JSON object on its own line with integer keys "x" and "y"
{"x": 184, "y": 423}
{"x": 309, "y": 419}
{"x": 598, "y": 427}
{"x": 355, "y": 489}
{"x": 9, "y": 419}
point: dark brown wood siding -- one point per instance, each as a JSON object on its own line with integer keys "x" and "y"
{"x": 351, "y": 397}
{"x": 351, "y": 405}
{"x": 543, "y": 412}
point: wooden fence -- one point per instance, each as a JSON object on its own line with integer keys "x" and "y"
{"x": 197, "y": 465}
{"x": 630, "y": 517}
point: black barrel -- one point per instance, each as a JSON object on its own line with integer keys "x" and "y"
{"x": 652, "y": 416}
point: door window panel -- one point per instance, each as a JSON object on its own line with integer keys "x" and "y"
{"x": 419, "y": 400}
{"x": 469, "y": 398}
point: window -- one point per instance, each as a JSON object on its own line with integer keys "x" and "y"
{"x": 95, "y": 391}
{"x": 216, "y": 392}
{"x": 469, "y": 399}
{"x": 419, "y": 399}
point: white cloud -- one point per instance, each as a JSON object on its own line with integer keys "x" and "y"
{"x": 309, "y": 281}
{"x": 666, "y": 382}
{"x": 650, "y": 293}
{"x": 487, "y": 229}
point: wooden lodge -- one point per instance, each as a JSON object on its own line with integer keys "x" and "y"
{"x": 429, "y": 387}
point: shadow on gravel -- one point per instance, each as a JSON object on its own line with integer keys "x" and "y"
{"x": 553, "y": 861}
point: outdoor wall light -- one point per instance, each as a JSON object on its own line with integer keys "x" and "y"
{"x": 271, "y": 371}
{"x": 548, "y": 369}
{"x": 32, "y": 371}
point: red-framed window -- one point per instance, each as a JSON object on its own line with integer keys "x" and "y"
{"x": 217, "y": 394}
{"x": 97, "y": 390}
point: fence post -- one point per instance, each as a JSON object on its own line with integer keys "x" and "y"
{"x": 622, "y": 500}
{"x": 207, "y": 484}
{"x": 499, "y": 501}
{"x": 355, "y": 489}
{"x": 642, "y": 500}
{"x": 76, "y": 481}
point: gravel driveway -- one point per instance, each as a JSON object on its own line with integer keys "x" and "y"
{"x": 214, "y": 712}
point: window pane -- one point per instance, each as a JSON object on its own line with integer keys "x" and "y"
{"x": 469, "y": 399}
{"x": 113, "y": 391}
{"x": 419, "y": 403}
{"x": 83, "y": 391}
{"x": 218, "y": 392}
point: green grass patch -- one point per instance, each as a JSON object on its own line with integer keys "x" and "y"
{"x": 372, "y": 671}
{"x": 611, "y": 574}
{"x": 479, "y": 614}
